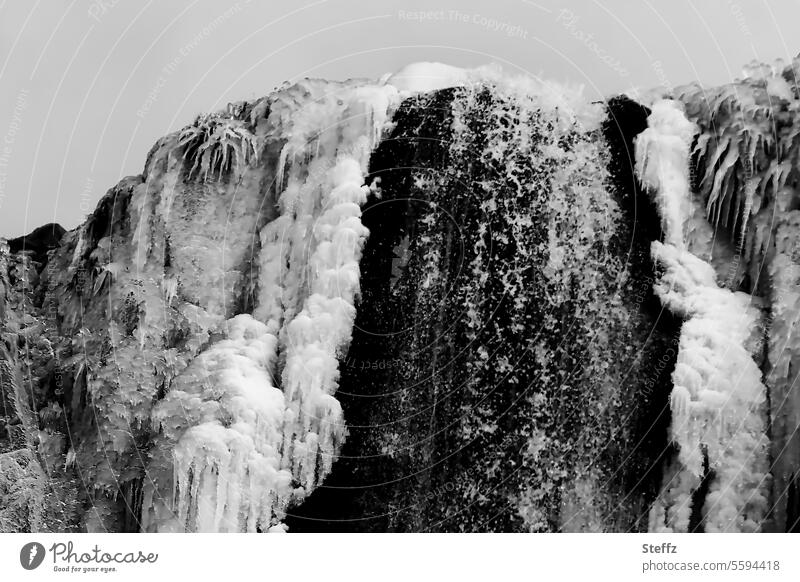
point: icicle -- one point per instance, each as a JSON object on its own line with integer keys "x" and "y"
{"x": 170, "y": 288}
{"x": 141, "y": 234}
{"x": 280, "y": 171}
{"x": 79, "y": 249}
{"x": 237, "y": 436}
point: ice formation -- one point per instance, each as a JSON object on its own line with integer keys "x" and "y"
{"x": 265, "y": 426}
{"x": 718, "y": 399}
{"x": 662, "y": 153}
{"x": 322, "y": 170}
{"x": 227, "y": 473}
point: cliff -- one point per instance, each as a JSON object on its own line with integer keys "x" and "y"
{"x": 478, "y": 304}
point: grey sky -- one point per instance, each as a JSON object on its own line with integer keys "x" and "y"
{"x": 87, "y": 87}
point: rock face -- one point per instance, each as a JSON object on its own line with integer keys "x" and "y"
{"x": 506, "y": 327}
{"x": 361, "y": 307}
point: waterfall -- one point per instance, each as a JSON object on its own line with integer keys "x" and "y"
{"x": 718, "y": 399}
{"x": 264, "y": 424}
{"x": 441, "y": 301}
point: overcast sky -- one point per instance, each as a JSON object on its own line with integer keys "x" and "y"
{"x": 87, "y": 87}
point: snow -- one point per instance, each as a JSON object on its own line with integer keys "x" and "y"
{"x": 718, "y": 398}
{"x": 548, "y": 95}
{"x": 424, "y": 76}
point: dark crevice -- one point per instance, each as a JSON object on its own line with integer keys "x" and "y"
{"x": 699, "y": 495}
{"x": 358, "y": 494}
{"x": 793, "y": 504}
{"x": 625, "y": 120}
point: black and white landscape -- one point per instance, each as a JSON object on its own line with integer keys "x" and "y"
{"x": 444, "y": 300}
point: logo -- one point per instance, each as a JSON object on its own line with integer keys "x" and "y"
{"x": 31, "y": 555}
